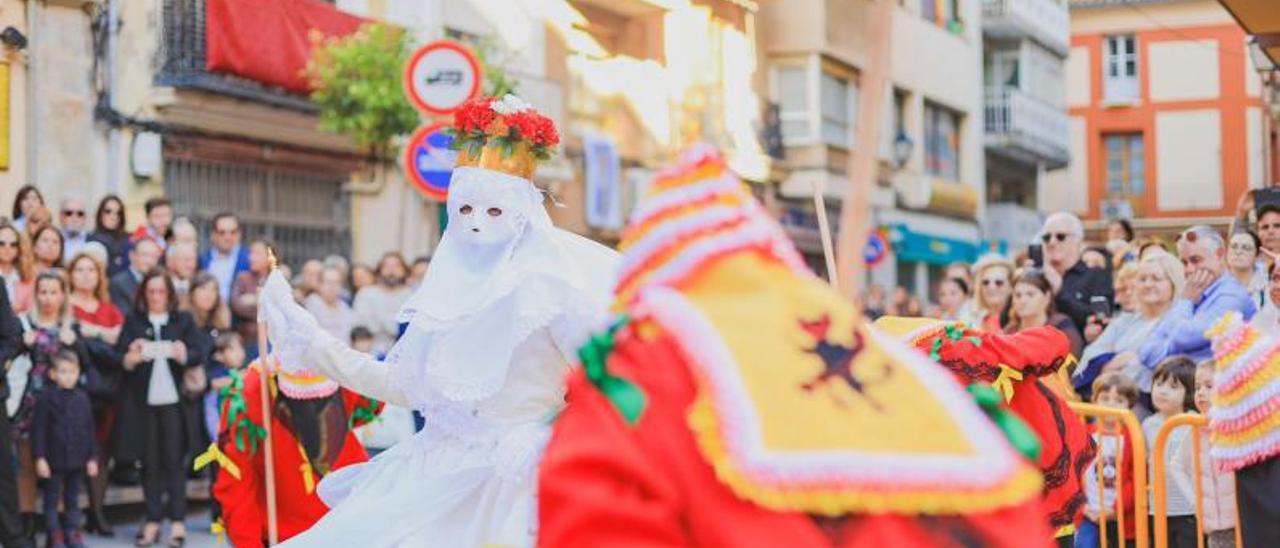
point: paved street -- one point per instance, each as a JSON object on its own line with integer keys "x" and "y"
{"x": 127, "y": 521}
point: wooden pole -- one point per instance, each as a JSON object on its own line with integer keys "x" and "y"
{"x": 824, "y": 229}
{"x": 268, "y": 453}
{"x": 855, "y": 213}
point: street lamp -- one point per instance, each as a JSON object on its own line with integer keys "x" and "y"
{"x": 902, "y": 145}
{"x": 1261, "y": 62}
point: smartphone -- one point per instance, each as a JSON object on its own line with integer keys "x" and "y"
{"x": 1036, "y": 253}
{"x": 1100, "y": 307}
{"x": 1266, "y": 198}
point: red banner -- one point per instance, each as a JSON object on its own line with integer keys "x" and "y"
{"x": 269, "y": 41}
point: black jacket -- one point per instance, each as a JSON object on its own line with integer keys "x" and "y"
{"x": 1080, "y": 284}
{"x": 63, "y": 429}
{"x": 10, "y": 337}
{"x": 123, "y": 289}
{"x": 130, "y": 435}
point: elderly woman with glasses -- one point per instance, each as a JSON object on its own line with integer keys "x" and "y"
{"x": 1242, "y": 262}
{"x": 1149, "y": 288}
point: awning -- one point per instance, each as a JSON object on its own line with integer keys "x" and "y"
{"x": 1261, "y": 18}
{"x": 922, "y": 247}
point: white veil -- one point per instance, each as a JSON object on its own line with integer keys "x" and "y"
{"x": 494, "y": 280}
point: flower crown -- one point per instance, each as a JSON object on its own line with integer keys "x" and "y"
{"x": 506, "y": 135}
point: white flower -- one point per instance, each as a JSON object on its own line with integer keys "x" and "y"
{"x": 510, "y": 104}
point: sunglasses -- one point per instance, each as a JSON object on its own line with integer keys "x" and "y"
{"x": 72, "y": 213}
{"x": 1060, "y": 236}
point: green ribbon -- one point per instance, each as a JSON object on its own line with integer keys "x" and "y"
{"x": 1020, "y": 436}
{"x": 953, "y": 332}
{"x": 247, "y": 433}
{"x": 625, "y": 396}
{"x": 364, "y": 414}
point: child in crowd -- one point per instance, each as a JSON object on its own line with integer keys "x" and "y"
{"x": 1218, "y": 489}
{"x": 1114, "y": 462}
{"x": 63, "y": 447}
{"x": 394, "y": 423}
{"x": 228, "y": 355}
{"x": 362, "y": 339}
{"x": 1173, "y": 393}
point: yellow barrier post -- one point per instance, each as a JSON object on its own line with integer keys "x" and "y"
{"x": 1131, "y": 425}
{"x": 1158, "y": 475}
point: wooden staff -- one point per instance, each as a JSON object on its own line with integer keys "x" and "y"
{"x": 273, "y": 529}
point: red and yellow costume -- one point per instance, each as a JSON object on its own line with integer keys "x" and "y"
{"x": 739, "y": 401}
{"x": 240, "y": 486}
{"x": 1018, "y": 365}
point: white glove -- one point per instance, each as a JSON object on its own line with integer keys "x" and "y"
{"x": 290, "y": 327}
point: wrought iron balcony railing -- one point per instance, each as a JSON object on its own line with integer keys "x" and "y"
{"x": 182, "y": 61}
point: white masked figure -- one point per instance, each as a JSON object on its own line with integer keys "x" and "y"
{"x": 499, "y": 317}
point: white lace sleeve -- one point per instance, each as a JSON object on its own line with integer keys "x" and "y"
{"x": 570, "y": 331}
{"x": 298, "y": 340}
{"x": 354, "y": 370}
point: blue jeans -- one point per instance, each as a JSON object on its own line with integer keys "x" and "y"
{"x": 1089, "y": 535}
{"x": 63, "y": 486}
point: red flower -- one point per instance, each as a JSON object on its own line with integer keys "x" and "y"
{"x": 475, "y": 115}
{"x": 545, "y": 133}
{"x": 525, "y": 123}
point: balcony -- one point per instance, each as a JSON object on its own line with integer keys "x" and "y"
{"x": 1025, "y": 129}
{"x": 1045, "y": 21}
{"x": 182, "y": 62}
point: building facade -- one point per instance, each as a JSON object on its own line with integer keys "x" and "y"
{"x": 134, "y": 100}
{"x": 929, "y": 192}
{"x": 1025, "y": 45}
{"x": 1169, "y": 125}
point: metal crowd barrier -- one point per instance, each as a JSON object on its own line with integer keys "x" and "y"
{"x": 1138, "y": 468}
{"x": 1159, "y": 481}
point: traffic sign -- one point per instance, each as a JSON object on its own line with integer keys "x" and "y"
{"x": 428, "y": 161}
{"x": 877, "y": 249}
{"x": 441, "y": 76}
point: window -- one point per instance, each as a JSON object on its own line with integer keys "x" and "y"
{"x": 1126, "y": 169}
{"x": 1120, "y": 68}
{"x": 837, "y": 111}
{"x": 1002, "y": 70}
{"x": 810, "y": 115}
{"x": 793, "y": 99}
{"x": 944, "y": 13}
{"x": 941, "y": 142}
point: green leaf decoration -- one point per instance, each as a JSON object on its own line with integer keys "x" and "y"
{"x": 626, "y": 396}
{"x": 364, "y": 414}
{"x": 1020, "y": 436}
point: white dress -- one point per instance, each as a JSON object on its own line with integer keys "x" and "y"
{"x": 468, "y": 479}
{"x": 507, "y": 303}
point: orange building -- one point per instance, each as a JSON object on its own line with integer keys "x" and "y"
{"x": 1168, "y": 122}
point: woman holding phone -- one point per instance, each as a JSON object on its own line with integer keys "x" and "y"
{"x": 155, "y": 342}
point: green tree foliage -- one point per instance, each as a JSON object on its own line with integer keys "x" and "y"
{"x": 356, "y": 82}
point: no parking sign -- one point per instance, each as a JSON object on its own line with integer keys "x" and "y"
{"x": 876, "y": 250}
{"x": 428, "y": 161}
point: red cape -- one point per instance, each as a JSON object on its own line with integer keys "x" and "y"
{"x": 606, "y": 483}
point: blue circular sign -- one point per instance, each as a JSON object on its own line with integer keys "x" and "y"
{"x": 429, "y": 161}
{"x": 876, "y": 250}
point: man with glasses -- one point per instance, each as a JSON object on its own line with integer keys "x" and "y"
{"x": 227, "y": 258}
{"x": 1209, "y": 294}
{"x": 1075, "y": 285}
{"x": 72, "y": 219}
